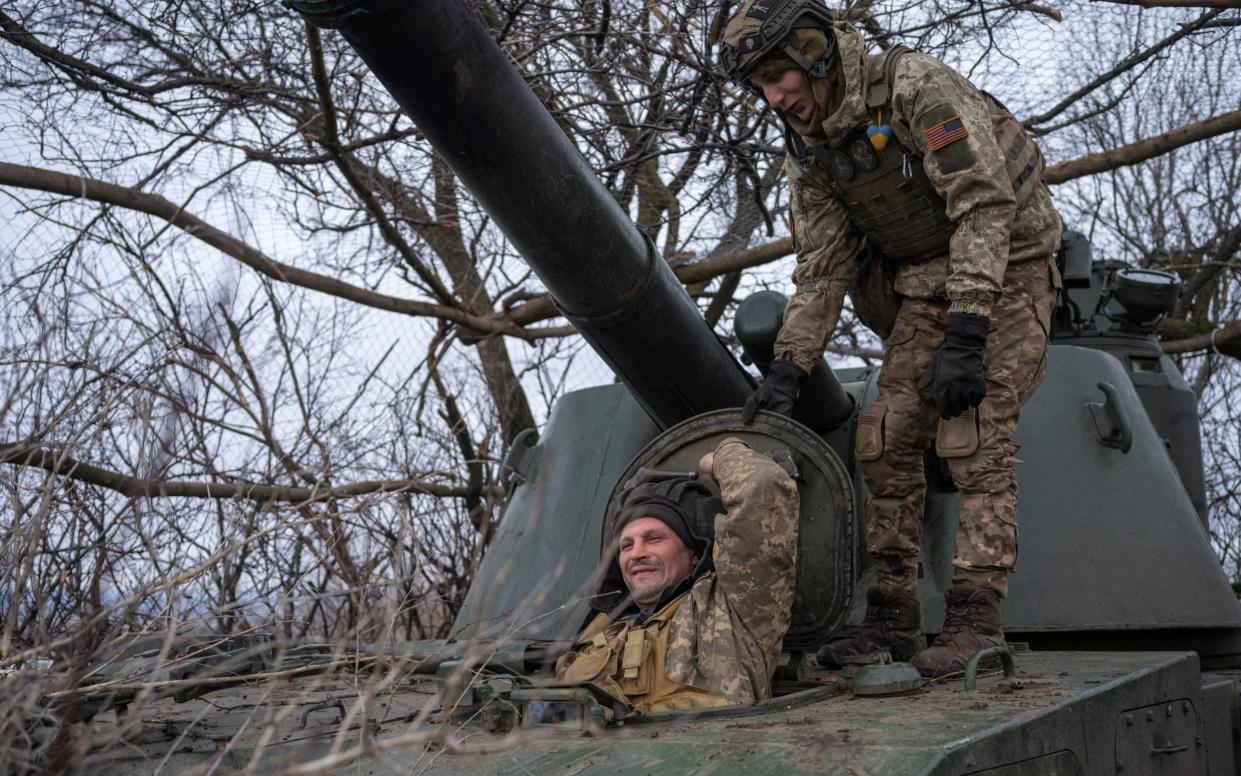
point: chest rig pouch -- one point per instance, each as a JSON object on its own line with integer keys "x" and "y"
{"x": 886, "y": 193}
{"x": 625, "y": 659}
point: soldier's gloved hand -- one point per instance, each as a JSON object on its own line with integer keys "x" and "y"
{"x": 954, "y": 378}
{"x": 777, "y": 392}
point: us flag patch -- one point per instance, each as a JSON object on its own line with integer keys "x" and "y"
{"x": 945, "y": 132}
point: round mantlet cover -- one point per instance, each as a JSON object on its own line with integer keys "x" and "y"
{"x": 827, "y": 550}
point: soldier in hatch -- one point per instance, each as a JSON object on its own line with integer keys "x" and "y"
{"x": 923, "y": 198}
{"x": 703, "y": 587}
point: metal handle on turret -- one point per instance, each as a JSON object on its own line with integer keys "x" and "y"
{"x": 1110, "y": 419}
{"x": 1006, "y": 660}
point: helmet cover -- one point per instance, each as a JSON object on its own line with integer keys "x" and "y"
{"x": 761, "y": 28}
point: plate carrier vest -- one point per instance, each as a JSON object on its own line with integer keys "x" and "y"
{"x": 887, "y": 195}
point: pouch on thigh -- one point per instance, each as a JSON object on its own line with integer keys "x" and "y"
{"x": 868, "y": 446}
{"x": 958, "y": 437}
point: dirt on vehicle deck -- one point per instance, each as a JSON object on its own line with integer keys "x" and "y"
{"x": 353, "y": 723}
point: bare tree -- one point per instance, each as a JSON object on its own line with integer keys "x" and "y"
{"x": 262, "y": 354}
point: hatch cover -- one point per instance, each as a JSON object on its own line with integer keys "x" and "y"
{"x": 827, "y": 550}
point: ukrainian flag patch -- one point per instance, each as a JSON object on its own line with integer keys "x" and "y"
{"x": 945, "y": 132}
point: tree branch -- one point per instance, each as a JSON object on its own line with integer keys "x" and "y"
{"x": 64, "y": 465}
{"x": 99, "y": 79}
{"x": 743, "y": 259}
{"x": 541, "y": 307}
{"x": 331, "y": 141}
{"x": 1126, "y": 64}
{"x": 155, "y": 205}
{"x": 1142, "y": 150}
{"x": 1226, "y": 340}
{"x": 1229, "y": 245}
{"x": 1176, "y": 3}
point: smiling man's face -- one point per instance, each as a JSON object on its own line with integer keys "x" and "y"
{"x": 652, "y": 558}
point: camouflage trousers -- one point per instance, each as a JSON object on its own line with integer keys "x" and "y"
{"x": 1015, "y": 361}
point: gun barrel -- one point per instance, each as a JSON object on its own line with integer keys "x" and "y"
{"x": 440, "y": 64}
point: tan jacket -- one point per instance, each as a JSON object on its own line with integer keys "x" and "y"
{"x": 720, "y": 641}
{"x": 969, "y": 174}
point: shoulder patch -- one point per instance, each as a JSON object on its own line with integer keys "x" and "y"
{"x": 945, "y": 132}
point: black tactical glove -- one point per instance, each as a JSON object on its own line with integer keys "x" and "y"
{"x": 954, "y": 378}
{"x": 777, "y": 392}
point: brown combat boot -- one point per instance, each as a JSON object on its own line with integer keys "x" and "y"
{"x": 893, "y": 622}
{"x": 971, "y": 624}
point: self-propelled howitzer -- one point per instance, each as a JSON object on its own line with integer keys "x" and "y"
{"x": 1114, "y": 557}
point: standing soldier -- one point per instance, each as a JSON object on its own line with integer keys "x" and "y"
{"x": 922, "y": 197}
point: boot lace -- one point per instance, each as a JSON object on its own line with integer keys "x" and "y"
{"x": 959, "y": 618}
{"x": 882, "y": 618}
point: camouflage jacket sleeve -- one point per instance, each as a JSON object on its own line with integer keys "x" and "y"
{"x": 827, "y": 247}
{"x": 726, "y": 637}
{"x": 947, "y": 120}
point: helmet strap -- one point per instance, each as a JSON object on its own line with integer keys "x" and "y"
{"x": 813, "y": 69}
{"x": 794, "y": 143}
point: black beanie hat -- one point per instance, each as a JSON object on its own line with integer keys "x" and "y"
{"x": 686, "y": 505}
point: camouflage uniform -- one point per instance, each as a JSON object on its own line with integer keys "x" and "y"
{"x": 998, "y": 264}
{"x": 720, "y": 641}
{"x": 986, "y": 540}
{"x": 991, "y": 232}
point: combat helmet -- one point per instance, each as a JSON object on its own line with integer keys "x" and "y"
{"x": 762, "y": 27}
